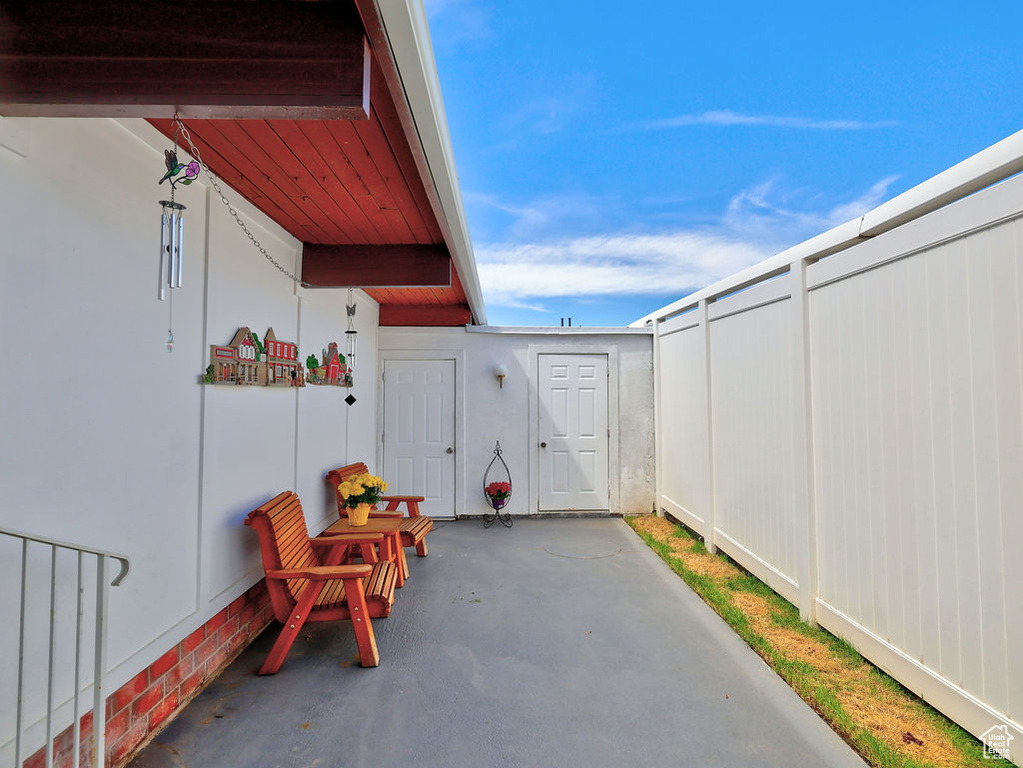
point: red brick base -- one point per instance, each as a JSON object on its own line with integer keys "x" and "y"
{"x": 140, "y": 708}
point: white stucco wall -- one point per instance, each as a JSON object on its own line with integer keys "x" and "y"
{"x": 108, "y": 440}
{"x": 487, "y": 412}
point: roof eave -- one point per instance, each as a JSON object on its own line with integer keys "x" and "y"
{"x": 399, "y": 36}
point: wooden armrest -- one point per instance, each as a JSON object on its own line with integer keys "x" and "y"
{"x": 323, "y": 572}
{"x": 403, "y": 498}
{"x": 385, "y": 513}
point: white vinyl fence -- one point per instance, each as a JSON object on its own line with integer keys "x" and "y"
{"x": 850, "y": 430}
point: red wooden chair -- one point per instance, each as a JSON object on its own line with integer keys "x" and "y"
{"x": 305, "y": 586}
{"x": 413, "y": 528}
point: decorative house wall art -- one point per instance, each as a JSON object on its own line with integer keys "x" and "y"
{"x": 271, "y": 362}
{"x": 247, "y": 360}
{"x": 282, "y": 366}
{"x": 332, "y": 370}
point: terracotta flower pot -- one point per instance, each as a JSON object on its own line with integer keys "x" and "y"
{"x": 359, "y": 515}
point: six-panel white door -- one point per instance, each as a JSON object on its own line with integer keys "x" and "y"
{"x": 419, "y": 432}
{"x": 573, "y": 432}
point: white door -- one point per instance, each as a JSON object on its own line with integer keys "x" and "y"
{"x": 573, "y": 432}
{"x": 419, "y": 432}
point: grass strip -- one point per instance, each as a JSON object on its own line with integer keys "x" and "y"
{"x": 822, "y": 669}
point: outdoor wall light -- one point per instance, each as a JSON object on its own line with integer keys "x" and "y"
{"x": 500, "y": 372}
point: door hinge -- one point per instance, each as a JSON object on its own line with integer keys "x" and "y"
{"x": 609, "y": 431}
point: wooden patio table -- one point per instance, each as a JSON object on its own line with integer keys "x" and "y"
{"x": 390, "y": 527}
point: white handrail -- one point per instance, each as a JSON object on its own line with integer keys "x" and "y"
{"x": 99, "y": 658}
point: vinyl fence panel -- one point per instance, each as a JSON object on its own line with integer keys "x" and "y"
{"x": 851, "y": 431}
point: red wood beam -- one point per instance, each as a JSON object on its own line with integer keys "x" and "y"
{"x": 219, "y": 59}
{"x": 376, "y": 266}
{"x": 439, "y": 315}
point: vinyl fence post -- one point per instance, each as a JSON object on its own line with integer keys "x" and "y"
{"x": 658, "y": 427}
{"x": 806, "y": 512}
{"x": 708, "y": 532}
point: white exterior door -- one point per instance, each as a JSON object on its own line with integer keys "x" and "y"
{"x": 573, "y": 432}
{"x": 419, "y": 432}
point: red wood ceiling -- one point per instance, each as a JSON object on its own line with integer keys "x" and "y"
{"x": 341, "y": 182}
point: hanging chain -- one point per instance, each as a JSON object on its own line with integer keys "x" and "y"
{"x": 215, "y": 183}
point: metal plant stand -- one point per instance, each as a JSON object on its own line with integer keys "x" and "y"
{"x": 497, "y": 489}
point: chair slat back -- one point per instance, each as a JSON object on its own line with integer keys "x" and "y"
{"x": 337, "y": 476}
{"x": 283, "y": 537}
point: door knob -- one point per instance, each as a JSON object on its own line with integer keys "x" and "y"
{"x": 450, "y": 450}
{"x": 543, "y": 445}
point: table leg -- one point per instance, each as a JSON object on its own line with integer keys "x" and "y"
{"x": 402, "y": 561}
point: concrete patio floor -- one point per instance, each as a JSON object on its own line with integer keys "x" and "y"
{"x": 558, "y": 642}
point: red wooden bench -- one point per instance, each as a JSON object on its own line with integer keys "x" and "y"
{"x": 305, "y": 585}
{"x": 413, "y": 528}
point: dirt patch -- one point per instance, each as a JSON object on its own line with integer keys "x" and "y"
{"x": 658, "y": 527}
{"x": 696, "y": 561}
{"x": 888, "y": 714}
{"x": 793, "y": 645}
{"x": 706, "y": 565}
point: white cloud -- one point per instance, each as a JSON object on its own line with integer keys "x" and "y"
{"x": 459, "y": 24}
{"x": 869, "y": 200}
{"x": 542, "y": 215}
{"x": 726, "y": 117}
{"x": 622, "y": 264}
{"x": 758, "y": 223}
{"x": 765, "y": 212}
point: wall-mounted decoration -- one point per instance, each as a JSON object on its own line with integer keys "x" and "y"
{"x": 331, "y": 370}
{"x": 282, "y": 366}
{"x": 497, "y": 489}
{"x": 247, "y": 360}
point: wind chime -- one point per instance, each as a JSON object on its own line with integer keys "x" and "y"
{"x": 172, "y": 227}
{"x": 350, "y": 341}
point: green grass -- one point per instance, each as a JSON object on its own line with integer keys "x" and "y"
{"x": 810, "y": 683}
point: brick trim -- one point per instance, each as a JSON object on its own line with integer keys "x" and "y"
{"x": 138, "y": 710}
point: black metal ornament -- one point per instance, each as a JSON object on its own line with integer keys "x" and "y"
{"x": 497, "y": 489}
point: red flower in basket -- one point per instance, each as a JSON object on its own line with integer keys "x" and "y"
{"x": 498, "y": 493}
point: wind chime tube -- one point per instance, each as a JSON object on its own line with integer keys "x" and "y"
{"x": 350, "y": 339}
{"x": 163, "y": 257}
{"x": 180, "y": 247}
{"x": 175, "y": 245}
{"x": 170, "y": 249}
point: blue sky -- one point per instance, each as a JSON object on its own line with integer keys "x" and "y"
{"x": 614, "y": 157}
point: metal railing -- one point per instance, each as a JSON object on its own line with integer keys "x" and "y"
{"x": 99, "y": 650}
